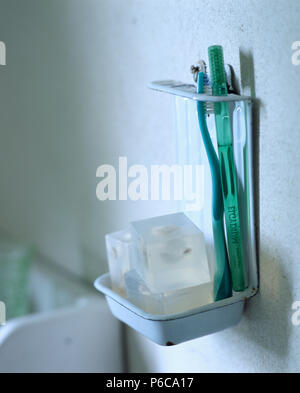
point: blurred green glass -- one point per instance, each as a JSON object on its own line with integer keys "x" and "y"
{"x": 15, "y": 260}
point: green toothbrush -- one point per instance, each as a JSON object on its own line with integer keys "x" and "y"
{"x": 227, "y": 168}
{"x": 222, "y": 279}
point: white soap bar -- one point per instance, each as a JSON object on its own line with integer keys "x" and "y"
{"x": 120, "y": 251}
{"x": 171, "y": 253}
{"x": 169, "y": 302}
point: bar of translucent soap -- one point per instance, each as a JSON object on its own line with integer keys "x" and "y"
{"x": 168, "y": 302}
{"x": 120, "y": 253}
{"x": 171, "y": 253}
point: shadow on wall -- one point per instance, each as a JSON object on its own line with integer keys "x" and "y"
{"x": 267, "y": 317}
{"x": 247, "y": 73}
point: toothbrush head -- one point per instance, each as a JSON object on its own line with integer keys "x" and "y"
{"x": 204, "y": 87}
{"x": 217, "y": 70}
{"x": 209, "y": 106}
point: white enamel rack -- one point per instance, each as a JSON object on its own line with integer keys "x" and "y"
{"x": 211, "y": 318}
{"x": 189, "y": 91}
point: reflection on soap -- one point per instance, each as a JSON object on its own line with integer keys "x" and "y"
{"x": 167, "y": 302}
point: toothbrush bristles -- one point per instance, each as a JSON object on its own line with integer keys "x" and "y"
{"x": 209, "y": 106}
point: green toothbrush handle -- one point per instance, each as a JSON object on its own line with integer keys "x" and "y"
{"x": 228, "y": 175}
{"x": 222, "y": 279}
{"x": 227, "y": 167}
{"x": 230, "y": 197}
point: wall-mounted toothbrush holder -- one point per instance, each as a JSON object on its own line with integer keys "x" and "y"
{"x": 218, "y": 315}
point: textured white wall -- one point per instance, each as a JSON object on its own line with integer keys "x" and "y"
{"x": 73, "y": 97}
